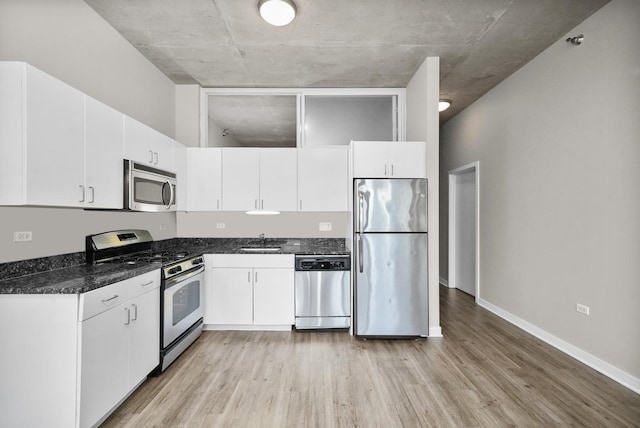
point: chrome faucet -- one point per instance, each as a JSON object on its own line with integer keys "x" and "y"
{"x": 263, "y": 240}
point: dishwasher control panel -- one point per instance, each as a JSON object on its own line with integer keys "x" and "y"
{"x": 323, "y": 263}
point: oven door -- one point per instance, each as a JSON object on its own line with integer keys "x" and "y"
{"x": 183, "y": 300}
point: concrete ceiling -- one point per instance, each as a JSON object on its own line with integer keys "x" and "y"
{"x": 345, "y": 43}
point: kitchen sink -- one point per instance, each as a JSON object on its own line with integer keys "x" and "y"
{"x": 260, "y": 249}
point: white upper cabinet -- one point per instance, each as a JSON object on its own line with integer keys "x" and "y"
{"x": 146, "y": 145}
{"x": 278, "y": 179}
{"x": 162, "y": 147}
{"x": 41, "y": 138}
{"x": 179, "y": 156}
{"x": 389, "y": 159}
{"x": 259, "y": 179}
{"x": 323, "y": 179}
{"x": 104, "y": 154}
{"x": 240, "y": 179}
{"x": 204, "y": 179}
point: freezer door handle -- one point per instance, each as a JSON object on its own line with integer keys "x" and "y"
{"x": 360, "y": 209}
{"x": 360, "y": 260}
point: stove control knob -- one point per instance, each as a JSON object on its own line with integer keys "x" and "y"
{"x": 175, "y": 269}
{"x": 197, "y": 261}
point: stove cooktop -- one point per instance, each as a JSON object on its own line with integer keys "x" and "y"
{"x": 165, "y": 257}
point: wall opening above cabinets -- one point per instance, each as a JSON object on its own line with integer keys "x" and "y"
{"x": 238, "y": 120}
{"x": 300, "y": 117}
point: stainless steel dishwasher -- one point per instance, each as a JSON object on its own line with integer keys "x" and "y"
{"x": 322, "y": 288}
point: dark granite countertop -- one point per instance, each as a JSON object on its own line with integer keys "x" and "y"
{"x": 66, "y": 274}
{"x": 74, "y": 279}
{"x": 305, "y": 246}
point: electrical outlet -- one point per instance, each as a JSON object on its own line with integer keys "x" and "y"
{"x": 325, "y": 226}
{"x": 220, "y": 225}
{"x": 582, "y": 309}
{"x": 22, "y": 236}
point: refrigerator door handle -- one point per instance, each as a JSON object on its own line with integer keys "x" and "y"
{"x": 360, "y": 209}
{"x": 360, "y": 259}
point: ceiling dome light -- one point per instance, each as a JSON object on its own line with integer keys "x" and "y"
{"x": 443, "y": 105}
{"x": 277, "y": 12}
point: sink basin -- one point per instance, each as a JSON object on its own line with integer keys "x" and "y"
{"x": 260, "y": 249}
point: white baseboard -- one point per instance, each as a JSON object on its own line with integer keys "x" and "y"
{"x": 444, "y": 282}
{"x": 435, "y": 332}
{"x": 592, "y": 361}
{"x": 233, "y": 327}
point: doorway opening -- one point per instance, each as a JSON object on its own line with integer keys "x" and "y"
{"x": 464, "y": 229}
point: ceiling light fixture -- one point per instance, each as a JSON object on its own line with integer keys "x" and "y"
{"x": 277, "y": 12}
{"x": 443, "y": 105}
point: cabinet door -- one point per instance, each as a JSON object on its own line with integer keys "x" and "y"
{"x": 103, "y": 364}
{"x": 55, "y": 141}
{"x": 161, "y": 145}
{"x": 323, "y": 179}
{"x": 230, "y": 296}
{"x": 104, "y": 151}
{"x": 240, "y": 179}
{"x": 278, "y": 179}
{"x": 370, "y": 159}
{"x": 137, "y": 142}
{"x": 144, "y": 336}
{"x": 204, "y": 179}
{"x": 180, "y": 168}
{"x": 273, "y": 297}
{"x": 408, "y": 159}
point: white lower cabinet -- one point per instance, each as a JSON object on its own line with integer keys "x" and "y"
{"x": 249, "y": 290}
{"x": 104, "y": 365}
{"x": 75, "y": 357}
{"x": 120, "y": 346}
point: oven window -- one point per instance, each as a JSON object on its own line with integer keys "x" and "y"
{"x": 186, "y": 301}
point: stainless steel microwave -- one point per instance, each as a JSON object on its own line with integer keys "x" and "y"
{"x": 148, "y": 189}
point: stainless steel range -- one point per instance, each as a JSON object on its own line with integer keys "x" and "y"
{"x": 181, "y": 289}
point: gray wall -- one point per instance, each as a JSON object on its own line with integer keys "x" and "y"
{"x": 241, "y": 225}
{"x": 558, "y": 145}
{"x": 422, "y": 125}
{"x": 68, "y": 40}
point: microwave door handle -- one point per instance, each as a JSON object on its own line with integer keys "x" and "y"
{"x": 171, "y": 195}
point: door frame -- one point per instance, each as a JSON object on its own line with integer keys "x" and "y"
{"x": 475, "y": 167}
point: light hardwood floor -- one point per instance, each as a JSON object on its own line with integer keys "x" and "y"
{"x": 483, "y": 373}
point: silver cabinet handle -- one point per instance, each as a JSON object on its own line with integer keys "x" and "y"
{"x": 128, "y": 316}
{"x": 218, "y": 203}
{"x": 150, "y": 156}
{"x": 81, "y": 193}
{"x": 147, "y": 283}
{"x": 115, "y": 296}
{"x": 261, "y": 204}
{"x": 93, "y": 194}
{"x": 256, "y": 276}
{"x": 135, "y": 312}
{"x": 385, "y": 169}
{"x": 156, "y": 157}
{"x": 249, "y": 276}
{"x": 255, "y": 204}
{"x": 392, "y": 170}
{"x": 360, "y": 258}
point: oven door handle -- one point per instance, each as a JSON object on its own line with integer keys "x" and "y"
{"x": 176, "y": 279}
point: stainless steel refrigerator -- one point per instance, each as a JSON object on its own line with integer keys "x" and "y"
{"x": 390, "y": 263}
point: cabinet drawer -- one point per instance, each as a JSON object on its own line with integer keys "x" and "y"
{"x": 96, "y": 301}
